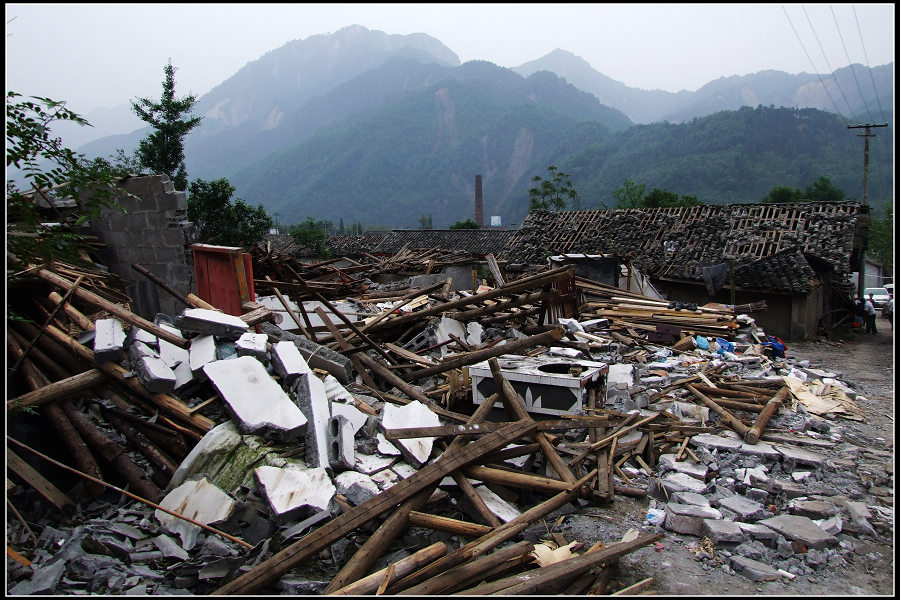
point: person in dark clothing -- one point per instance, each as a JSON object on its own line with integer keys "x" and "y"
{"x": 860, "y": 312}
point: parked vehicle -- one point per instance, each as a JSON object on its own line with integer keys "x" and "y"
{"x": 879, "y": 296}
{"x": 890, "y": 288}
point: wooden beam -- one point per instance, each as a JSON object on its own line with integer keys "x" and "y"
{"x": 46, "y": 489}
{"x": 401, "y": 568}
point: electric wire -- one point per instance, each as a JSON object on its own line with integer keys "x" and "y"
{"x": 850, "y": 62}
{"x": 827, "y": 64}
{"x": 825, "y": 87}
{"x": 868, "y": 65}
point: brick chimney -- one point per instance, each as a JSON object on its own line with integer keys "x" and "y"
{"x": 479, "y": 202}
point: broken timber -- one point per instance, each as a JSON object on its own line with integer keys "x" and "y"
{"x": 271, "y": 569}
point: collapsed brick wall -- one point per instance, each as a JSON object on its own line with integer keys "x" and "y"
{"x": 153, "y": 233}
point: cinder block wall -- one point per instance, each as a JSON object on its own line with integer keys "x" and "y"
{"x": 154, "y": 234}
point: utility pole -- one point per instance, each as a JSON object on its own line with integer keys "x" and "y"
{"x": 861, "y": 283}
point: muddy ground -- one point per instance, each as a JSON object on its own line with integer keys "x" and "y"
{"x": 867, "y": 363}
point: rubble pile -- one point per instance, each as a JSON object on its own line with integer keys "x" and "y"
{"x": 408, "y": 439}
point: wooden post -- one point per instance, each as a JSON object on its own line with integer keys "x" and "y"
{"x": 752, "y": 436}
{"x": 728, "y": 418}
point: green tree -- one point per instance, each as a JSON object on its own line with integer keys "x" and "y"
{"x": 552, "y": 192}
{"x": 467, "y": 224}
{"x": 630, "y": 195}
{"x": 310, "y": 235}
{"x": 821, "y": 190}
{"x": 162, "y": 151}
{"x": 780, "y": 194}
{"x": 50, "y": 171}
{"x": 425, "y": 222}
{"x": 221, "y": 221}
{"x": 658, "y": 198}
{"x": 341, "y": 227}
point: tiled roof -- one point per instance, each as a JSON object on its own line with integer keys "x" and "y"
{"x": 478, "y": 242}
{"x": 679, "y": 242}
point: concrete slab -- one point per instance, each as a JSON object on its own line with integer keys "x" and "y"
{"x": 800, "y": 455}
{"x": 800, "y": 529}
{"x": 356, "y": 487}
{"x": 718, "y": 442}
{"x": 681, "y": 482}
{"x": 697, "y": 471}
{"x": 502, "y": 509}
{"x": 202, "y": 351}
{"x": 309, "y": 394}
{"x": 316, "y": 355}
{"x": 169, "y": 353}
{"x": 415, "y": 414}
{"x": 255, "y": 400}
{"x": 109, "y": 341}
{"x": 386, "y": 447}
{"x": 721, "y": 531}
{"x": 155, "y": 375}
{"x": 369, "y": 464}
{"x": 690, "y": 498}
{"x": 202, "y": 320}
{"x": 688, "y": 518}
{"x": 753, "y": 569}
{"x": 218, "y": 443}
{"x": 814, "y": 509}
{"x": 758, "y": 532}
{"x": 294, "y": 493}
{"x": 198, "y": 500}
{"x": 289, "y": 364}
{"x": 759, "y": 449}
{"x": 252, "y": 344}
{"x": 747, "y": 510}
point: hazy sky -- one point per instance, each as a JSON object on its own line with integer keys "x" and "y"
{"x": 103, "y": 55}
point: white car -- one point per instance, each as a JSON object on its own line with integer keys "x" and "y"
{"x": 880, "y": 296}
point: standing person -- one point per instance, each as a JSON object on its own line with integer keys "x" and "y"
{"x": 870, "y": 315}
{"x": 887, "y": 311}
{"x": 860, "y": 312}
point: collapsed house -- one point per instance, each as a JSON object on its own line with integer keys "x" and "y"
{"x": 334, "y": 434}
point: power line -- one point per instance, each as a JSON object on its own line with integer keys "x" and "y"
{"x": 868, "y": 66}
{"x": 850, "y": 62}
{"x": 825, "y": 87}
{"x": 827, "y": 64}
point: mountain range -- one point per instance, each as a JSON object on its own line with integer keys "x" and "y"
{"x": 380, "y": 129}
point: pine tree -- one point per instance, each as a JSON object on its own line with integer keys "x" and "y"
{"x": 162, "y": 151}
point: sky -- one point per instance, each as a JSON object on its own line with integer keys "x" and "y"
{"x": 104, "y": 55}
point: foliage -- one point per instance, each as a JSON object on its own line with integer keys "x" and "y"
{"x": 881, "y": 238}
{"x": 467, "y": 224}
{"x": 162, "y": 151}
{"x": 120, "y": 164}
{"x": 821, "y": 190}
{"x": 310, "y": 235}
{"x": 658, "y": 198}
{"x": 220, "y": 221}
{"x": 425, "y": 222}
{"x": 629, "y": 195}
{"x": 552, "y": 192}
{"x": 29, "y": 146}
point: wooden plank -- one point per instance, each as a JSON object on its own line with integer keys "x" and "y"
{"x": 56, "y": 390}
{"x": 46, "y": 489}
{"x": 294, "y": 555}
{"x": 403, "y": 567}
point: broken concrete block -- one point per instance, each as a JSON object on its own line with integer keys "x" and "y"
{"x": 800, "y": 529}
{"x": 799, "y": 455}
{"x": 758, "y": 532}
{"x": 386, "y": 447}
{"x": 316, "y": 356}
{"x": 256, "y": 401}
{"x": 668, "y": 462}
{"x": 288, "y": 362}
{"x": 681, "y": 482}
{"x": 217, "y": 445}
{"x": 183, "y": 374}
{"x": 688, "y": 518}
{"x": 690, "y": 498}
{"x": 860, "y": 515}
{"x": 721, "y": 531}
{"x": 369, "y": 464}
{"x": 356, "y": 417}
{"x": 252, "y": 344}
{"x": 833, "y": 525}
{"x": 198, "y": 500}
{"x": 356, "y": 487}
{"x": 202, "y": 320}
{"x": 202, "y": 351}
{"x": 707, "y": 440}
{"x": 137, "y": 350}
{"x": 341, "y": 443}
{"x": 753, "y": 569}
{"x": 814, "y": 509}
{"x": 109, "y": 340}
{"x": 155, "y": 375}
{"x": 502, "y": 509}
{"x": 294, "y": 493}
{"x": 309, "y": 394}
{"x": 759, "y": 449}
{"x": 415, "y": 414}
{"x": 169, "y": 353}
{"x": 744, "y": 508}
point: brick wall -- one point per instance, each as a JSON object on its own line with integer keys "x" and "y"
{"x": 154, "y": 234}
